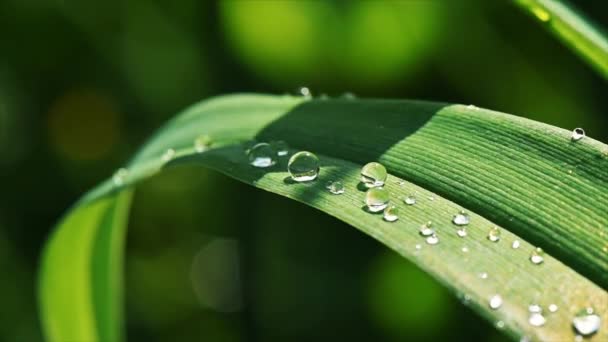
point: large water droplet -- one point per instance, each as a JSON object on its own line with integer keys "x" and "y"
{"x": 335, "y": 187}
{"x": 586, "y": 322}
{"x": 280, "y": 147}
{"x": 202, "y": 143}
{"x": 515, "y": 244}
{"x": 537, "y": 256}
{"x": 262, "y": 155}
{"x": 537, "y": 319}
{"x": 462, "y": 232}
{"x": 426, "y": 230}
{"x": 409, "y": 200}
{"x": 495, "y": 302}
{"x": 433, "y": 239}
{"x": 376, "y": 199}
{"x": 461, "y": 219}
{"x": 494, "y": 234}
{"x": 391, "y": 213}
{"x": 577, "y": 134}
{"x": 303, "y": 166}
{"x": 119, "y": 176}
{"x": 373, "y": 175}
{"x": 168, "y": 155}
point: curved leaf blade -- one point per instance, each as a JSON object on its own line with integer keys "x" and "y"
{"x": 441, "y": 148}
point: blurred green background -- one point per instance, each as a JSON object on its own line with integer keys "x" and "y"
{"x": 83, "y": 84}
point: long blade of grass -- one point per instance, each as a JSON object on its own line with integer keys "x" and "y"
{"x": 530, "y": 179}
{"x": 572, "y": 28}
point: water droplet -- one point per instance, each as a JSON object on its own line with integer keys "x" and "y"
{"x": 373, "y": 175}
{"x": 433, "y": 239}
{"x": 553, "y": 308}
{"x": 335, "y": 187}
{"x": 462, "y": 232}
{"x": 426, "y": 230}
{"x": 304, "y": 91}
{"x": 377, "y": 199}
{"x": 537, "y": 319}
{"x": 431, "y": 198}
{"x": 515, "y": 244}
{"x": 202, "y": 143}
{"x": 418, "y": 246}
{"x": 461, "y": 219}
{"x": 349, "y": 96}
{"x": 400, "y": 183}
{"x": 280, "y": 147}
{"x": 472, "y": 107}
{"x": 586, "y": 322}
{"x": 303, "y": 166}
{"x": 465, "y": 249}
{"x": 494, "y": 234}
{"x": 540, "y": 13}
{"x": 537, "y": 256}
{"x": 500, "y": 324}
{"x": 391, "y": 213}
{"x": 262, "y": 155}
{"x": 168, "y": 155}
{"x": 119, "y": 176}
{"x": 578, "y": 134}
{"x": 535, "y": 308}
{"x": 495, "y": 302}
{"x": 409, "y": 200}
{"x": 483, "y": 275}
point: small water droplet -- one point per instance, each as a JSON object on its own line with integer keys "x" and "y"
{"x": 303, "y": 166}
{"x": 483, "y": 275}
{"x": 349, "y": 96}
{"x": 515, "y": 244}
{"x": 418, "y": 246}
{"x": 553, "y": 308}
{"x": 426, "y": 230}
{"x": 537, "y": 319}
{"x": 409, "y": 200}
{"x": 335, "y": 187}
{"x": 462, "y": 232}
{"x": 540, "y": 13}
{"x": 304, "y": 91}
{"x": 119, "y": 176}
{"x": 500, "y": 324}
{"x": 168, "y": 155}
{"x": 586, "y": 322}
{"x": 472, "y": 107}
{"x": 373, "y": 175}
{"x": 202, "y": 143}
{"x": 494, "y": 234}
{"x": 431, "y": 198}
{"x": 577, "y": 134}
{"x": 461, "y": 219}
{"x": 400, "y": 183}
{"x": 433, "y": 239}
{"x": 578, "y": 338}
{"x": 535, "y": 308}
{"x": 391, "y": 213}
{"x": 376, "y": 199}
{"x": 537, "y": 256}
{"x": 262, "y": 155}
{"x": 281, "y": 147}
{"x": 465, "y": 249}
{"x": 495, "y": 301}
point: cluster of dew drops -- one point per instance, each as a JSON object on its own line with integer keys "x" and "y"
{"x": 304, "y": 166}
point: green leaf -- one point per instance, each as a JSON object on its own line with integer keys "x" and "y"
{"x": 530, "y": 179}
{"x": 572, "y": 28}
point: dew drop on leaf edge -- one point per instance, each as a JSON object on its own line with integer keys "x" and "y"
{"x": 495, "y": 302}
{"x": 262, "y": 155}
{"x": 577, "y": 134}
{"x": 303, "y": 166}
